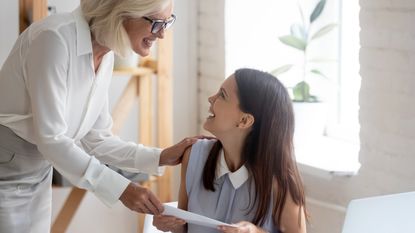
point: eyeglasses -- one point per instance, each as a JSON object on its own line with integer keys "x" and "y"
{"x": 158, "y": 24}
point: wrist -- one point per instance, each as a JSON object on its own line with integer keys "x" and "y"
{"x": 161, "y": 159}
{"x": 126, "y": 192}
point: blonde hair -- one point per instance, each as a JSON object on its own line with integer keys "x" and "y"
{"x": 105, "y": 19}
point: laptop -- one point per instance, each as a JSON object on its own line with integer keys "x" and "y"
{"x": 382, "y": 214}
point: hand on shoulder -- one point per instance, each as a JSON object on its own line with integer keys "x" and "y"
{"x": 173, "y": 155}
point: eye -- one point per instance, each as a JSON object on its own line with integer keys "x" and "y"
{"x": 221, "y": 94}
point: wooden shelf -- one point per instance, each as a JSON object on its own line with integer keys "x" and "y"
{"x": 134, "y": 71}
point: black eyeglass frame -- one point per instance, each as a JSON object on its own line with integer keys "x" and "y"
{"x": 165, "y": 24}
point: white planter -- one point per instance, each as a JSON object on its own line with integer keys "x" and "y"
{"x": 310, "y": 120}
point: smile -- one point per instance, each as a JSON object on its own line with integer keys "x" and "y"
{"x": 149, "y": 42}
{"x": 211, "y": 114}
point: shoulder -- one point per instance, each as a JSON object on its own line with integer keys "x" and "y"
{"x": 201, "y": 149}
{"x": 53, "y": 32}
{"x": 195, "y": 156}
{"x": 58, "y": 24}
{"x": 206, "y": 142}
{"x": 48, "y": 42}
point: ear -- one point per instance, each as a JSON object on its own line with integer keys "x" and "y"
{"x": 247, "y": 120}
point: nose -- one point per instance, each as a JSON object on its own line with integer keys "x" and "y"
{"x": 160, "y": 34}
{"x": 211, "y": 99}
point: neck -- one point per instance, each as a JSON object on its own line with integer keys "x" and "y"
{"x": 232, "y": 148}
{"x": 98, "y": 50}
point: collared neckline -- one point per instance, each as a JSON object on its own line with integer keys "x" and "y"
{"x": 83, "y": 33}
{"x": 237, "y": 177}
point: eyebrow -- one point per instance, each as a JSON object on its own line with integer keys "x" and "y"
{"x": 224, "y": 91}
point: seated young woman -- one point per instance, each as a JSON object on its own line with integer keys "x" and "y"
{"x": 248, "y": 175}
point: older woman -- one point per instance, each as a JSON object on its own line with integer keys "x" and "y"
{"x": 54, "y": 110}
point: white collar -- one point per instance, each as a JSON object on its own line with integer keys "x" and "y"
{"x": 83, "y": 33}
{"x": 237, "y": 178}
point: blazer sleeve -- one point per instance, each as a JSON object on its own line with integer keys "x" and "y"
{"x": 110, "y": 149}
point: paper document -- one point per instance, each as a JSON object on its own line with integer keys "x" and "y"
{"x": 192, "y": 217}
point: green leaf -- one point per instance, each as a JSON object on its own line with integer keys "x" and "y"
{"x": 323, "y": 31}
{"x": 317, "y": 72}
{"x": 301, "y": 92}
{"x": 317, "y": 10}
{"x": 293, "y": 42}
{"x": 281, "y": 69}
{"x": 298, "y": 31}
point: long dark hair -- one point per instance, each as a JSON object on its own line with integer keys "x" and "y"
{"x": 268, "y": 148}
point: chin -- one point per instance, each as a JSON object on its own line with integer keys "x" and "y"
{"x": 140, "y": 50}
{"x": 142, "y": 53}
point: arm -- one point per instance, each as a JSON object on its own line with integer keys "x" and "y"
{"x": 170, "y": 223}
{"x": 110, "y": 149}
{"x": 293, "y": 217}
{"x": 129, "y": 156}
{"x": 182, "y": 191}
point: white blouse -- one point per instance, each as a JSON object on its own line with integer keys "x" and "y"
{"x": 50, "y": 96}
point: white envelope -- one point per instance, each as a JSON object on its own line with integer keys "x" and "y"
{"x": 192, "y": 217}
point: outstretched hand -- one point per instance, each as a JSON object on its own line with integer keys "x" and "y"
{"x": 173, "y": 155}
{"x": 140, "y": 199}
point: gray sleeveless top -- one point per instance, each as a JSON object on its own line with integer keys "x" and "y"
{"x": 227, "y": 204}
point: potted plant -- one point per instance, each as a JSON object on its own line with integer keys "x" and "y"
{"x": 301, "y": 36}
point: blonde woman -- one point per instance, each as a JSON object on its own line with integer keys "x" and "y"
{"x": 54, "y": 110}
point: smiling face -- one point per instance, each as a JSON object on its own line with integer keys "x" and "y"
{"x": 139, "y": 31}
{"x": 225, "y": 114}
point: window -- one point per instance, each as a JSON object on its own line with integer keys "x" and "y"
{"x": 252, "y": 31}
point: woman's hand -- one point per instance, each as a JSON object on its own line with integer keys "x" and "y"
{"x": 168, "y": 223}
{"x": 140, "y": 199}
{"x": 173, "y": 155}
{"x": 241, "y": 227}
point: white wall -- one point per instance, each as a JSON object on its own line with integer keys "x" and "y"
{"x": 386, "y": 114}
{"x": 9, "y": 27}
{"x": 211, "y": 53}
{"x": 184, "y": 70}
